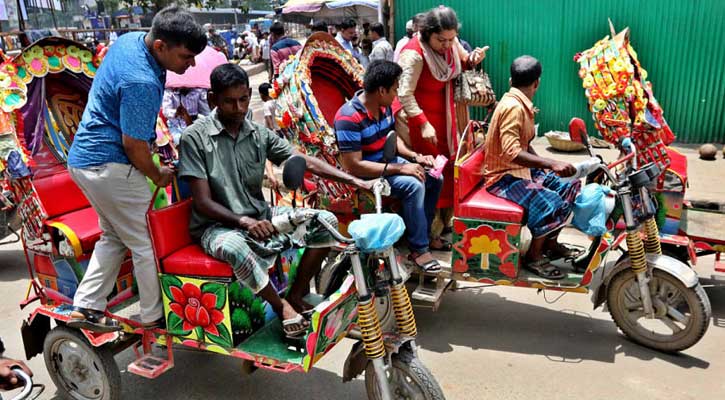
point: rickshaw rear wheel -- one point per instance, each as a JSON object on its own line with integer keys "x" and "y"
{"x": 682, "y": 313}
{"x": 79, "y": 370}
{"x": 408, "y": 379}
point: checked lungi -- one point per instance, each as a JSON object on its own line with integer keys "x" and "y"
{"x": 251, "y": 258}
{"x": 546, "y": 198}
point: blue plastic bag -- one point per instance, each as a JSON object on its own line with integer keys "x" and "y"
{"x": 591, "y": 209}
{"x": 375, "y": 232}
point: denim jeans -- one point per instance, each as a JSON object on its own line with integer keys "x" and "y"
{"x": 419, "y": 204}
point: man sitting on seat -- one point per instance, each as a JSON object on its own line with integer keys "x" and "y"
{"x": 223, "y": 157}
{"x": 515, "y": 172}
{"x": 361, "y": 126}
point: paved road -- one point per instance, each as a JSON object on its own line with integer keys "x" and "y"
{"x": 493, "y": 343}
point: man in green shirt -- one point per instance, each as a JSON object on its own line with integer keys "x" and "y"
{"x": 223, "y": 157}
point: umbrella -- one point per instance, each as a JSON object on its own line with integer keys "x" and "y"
{"x": 198, "y": 75}
{"x": 335, "y": 11}
{"x": 303, "y": 6}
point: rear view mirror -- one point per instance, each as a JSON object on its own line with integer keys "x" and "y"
{"x": 390, "y": 148}
{"x": 293, "y": 174}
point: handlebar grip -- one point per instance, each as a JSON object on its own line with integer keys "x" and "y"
{"x": 28, "y": 387}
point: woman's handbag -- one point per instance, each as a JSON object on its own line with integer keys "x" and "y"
{"x": 474, "y": 88}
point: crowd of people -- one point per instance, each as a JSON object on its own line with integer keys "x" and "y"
{"x": 224, "y": 155}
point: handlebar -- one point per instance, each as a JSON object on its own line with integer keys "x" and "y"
{"x": 27, "y": 388}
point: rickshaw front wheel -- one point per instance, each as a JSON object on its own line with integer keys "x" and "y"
{"x": 408, "y": 379}
{"x": 682, "y": 314}
{"x": 79, "y": 370}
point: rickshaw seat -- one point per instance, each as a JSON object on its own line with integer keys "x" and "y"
{"x": 68, "y": 210}
{"x": 483, "y": 205}
{"x": 475, "y": 201}
{"x": 174, "y": 247}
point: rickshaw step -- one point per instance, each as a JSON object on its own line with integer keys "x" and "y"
{"x": 431, "y": 293}
{"x": 150, "y": 366}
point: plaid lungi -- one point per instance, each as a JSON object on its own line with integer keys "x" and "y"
{"x": 546, "y": 198}
{"x": 251, "y": 258}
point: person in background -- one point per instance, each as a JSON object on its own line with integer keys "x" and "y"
{"x": 265, "y": 46}
{"x": 409, "y": 31}
{"x": 253, "y": 47}
{"x": 269, "y": 107}
{"x": 382, "y": 50}
{"x": 215, "y": 40}
{"x": 283, "y": 46}
{"x": 181, "y": 107}
{"x": 365, "y": 48}
{"x": 319, "y": 26}
{"x": 110, "y": 160}
{"x": 347, "y": 36}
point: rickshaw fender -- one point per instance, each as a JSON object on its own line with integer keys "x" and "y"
{"x": 33, "y": 331}
{"x": 357, "y": 360}
{"x": 665, "y": 263}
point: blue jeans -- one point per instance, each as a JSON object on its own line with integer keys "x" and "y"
{"x": 419, "y": 204}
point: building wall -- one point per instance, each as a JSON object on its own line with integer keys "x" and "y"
{"x": 680, "y": 43}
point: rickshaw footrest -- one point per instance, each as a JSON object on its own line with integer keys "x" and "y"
{"x": 720, "y": 266}
{"x": 431, "y": 293}
{"x": 150, "y": 366}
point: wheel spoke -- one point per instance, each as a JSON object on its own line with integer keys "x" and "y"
{"x": 677, "y": 316}
{"x": 671, "y": 324}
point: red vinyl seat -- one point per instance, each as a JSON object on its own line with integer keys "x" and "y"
{"x": 191, "y": 260}
{"x": 483, "y": 205}
{"x": 175, "y": 250}
{"x": 68, "y": 211}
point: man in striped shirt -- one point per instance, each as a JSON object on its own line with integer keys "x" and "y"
{"x": 361, "y": 126}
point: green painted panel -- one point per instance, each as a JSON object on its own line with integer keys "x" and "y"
{"x": 678, "y": 42}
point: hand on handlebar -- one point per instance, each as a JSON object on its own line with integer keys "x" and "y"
{"x": 259, "y": 229}
{"x": 414, "y": 170}
{"x": 563, "y": 169}
{"x": 8, "y": 379}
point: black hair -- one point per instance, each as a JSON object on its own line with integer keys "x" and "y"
{"x": 319, "y": 26}
{"x": 438, "y": 20}
{"x": 418, "y": 19}
{"x": 277, "y": 28}
{"x": 264, "y": 89}
{"x": 227, "y": 75}
{"x": 525, "y": 70}
{"x": 378, "y": 28}
{"x": 347, "y": 24}
{"x": 381, "y": 73}
{"x": 176, "y": 27}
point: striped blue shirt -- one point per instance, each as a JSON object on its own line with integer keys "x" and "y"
{"x": 358, "y": 130}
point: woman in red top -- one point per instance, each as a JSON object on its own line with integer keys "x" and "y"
{"x": 431, "y": 60}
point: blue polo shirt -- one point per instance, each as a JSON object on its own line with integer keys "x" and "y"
{"x": 125, "y": 99}
{"x": 357, "y": 130}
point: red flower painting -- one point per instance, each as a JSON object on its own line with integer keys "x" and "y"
{"x": 196, "y": 308}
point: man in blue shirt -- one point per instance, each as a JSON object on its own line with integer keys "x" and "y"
{"x": 361, "y": 126}
{"x": 110, "y": 159}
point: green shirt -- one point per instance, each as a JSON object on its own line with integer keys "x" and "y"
{"x": 233, "y": 167}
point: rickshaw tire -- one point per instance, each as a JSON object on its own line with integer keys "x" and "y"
{"x": 104, "y": 355}
{"x": 409, "y": 363}
{"x": 697, "y": 296}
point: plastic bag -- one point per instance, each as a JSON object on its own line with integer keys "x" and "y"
{"x": 375, "y": 232}
{"x": 592, "y": 208}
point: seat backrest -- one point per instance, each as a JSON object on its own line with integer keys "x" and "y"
{"x": 470, "y": 173}
{"x": 169, "y": 228}
{"x": 59, "y": 194}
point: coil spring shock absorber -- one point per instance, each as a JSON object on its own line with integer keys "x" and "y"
{"x": 404, "y": 318}
{"x": 652, "y": 240}
{"x": 636, "y": 251}
{"x": 372, "y": 334}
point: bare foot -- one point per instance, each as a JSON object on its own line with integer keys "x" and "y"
{"x": 299, "y": 304}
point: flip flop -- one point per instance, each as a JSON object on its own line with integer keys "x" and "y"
{"x": 544, "y": 269}
{"x": 92, "y": 320}
{"x": 431, "y": 267}
{"x": 289, "y": 325}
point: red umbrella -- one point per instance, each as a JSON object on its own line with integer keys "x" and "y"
{"x": 198, "y": 75}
